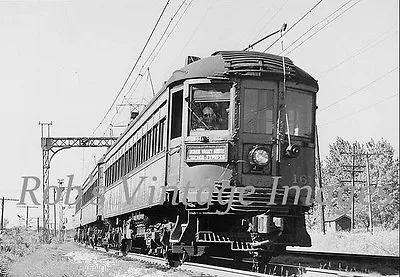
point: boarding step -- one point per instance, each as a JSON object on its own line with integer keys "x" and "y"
{"x": 238, "y": 241}
{"x": 207, "y": 236}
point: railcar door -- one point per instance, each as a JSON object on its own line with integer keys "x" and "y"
{"x": 176, "y": 140}
{"x": 258, "y": 128}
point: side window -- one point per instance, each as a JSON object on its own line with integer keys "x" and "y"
{"x": 176, "y": 120}
{"x": 155, "y": 137}
{"x": 161, "y": 135}
{"x": 139, "y": 152}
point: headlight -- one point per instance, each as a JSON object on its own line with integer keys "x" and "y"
{"x": 259, "y": 156}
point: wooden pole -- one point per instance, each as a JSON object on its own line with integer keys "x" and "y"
{"x": 353, "y": 176}
{"x": 2, "y": 213}
{"x": 371, "y": 228}
{"x": 321, "y": 206}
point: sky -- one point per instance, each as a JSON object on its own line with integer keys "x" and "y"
{"x": 66, "y": 61}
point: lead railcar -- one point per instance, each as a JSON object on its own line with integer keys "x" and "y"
{"x": 203, "y": 168}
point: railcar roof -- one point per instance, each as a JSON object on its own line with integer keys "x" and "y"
{"x": 231, "y": 63}
{"x": 242, "y": 63}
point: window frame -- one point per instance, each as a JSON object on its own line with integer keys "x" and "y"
{"x": 188, "y": 94}
{"x": 274, "y": 109}
{"x": 313, "y": 112}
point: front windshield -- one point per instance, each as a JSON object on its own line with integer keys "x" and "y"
{"x": 299, "y": 108}
{"x": 258, "y": 110}
{"x": 209, "y": 107}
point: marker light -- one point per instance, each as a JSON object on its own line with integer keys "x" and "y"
{"x": 293, "y": 151}
{"x": 259, "y": 156}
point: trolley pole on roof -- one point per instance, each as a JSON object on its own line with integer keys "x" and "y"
{"x": 282, "y": 29}
{"x": 50, "y": 147}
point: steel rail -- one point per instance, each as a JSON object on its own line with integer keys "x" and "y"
{"x": 346, "y": 256}
{"x": 226, "y": 271}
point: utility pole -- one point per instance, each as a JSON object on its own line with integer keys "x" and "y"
{"x": 60, "y": 206}
{"x": 353, "y": 186}
{"x": 27, "y": 214}
{"x": 3, "y": 199}
{"x": 321, "y": 208}
{"x": 368, "y": 183}
{"x": 353, "y": 180}
{"x": 55, "y": 212}
{"x": 371, "y": 227}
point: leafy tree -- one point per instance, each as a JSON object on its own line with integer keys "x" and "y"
{"x": 384, "y": 176}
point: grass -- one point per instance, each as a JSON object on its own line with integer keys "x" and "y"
{"x": 382, "y": 242}
{"x": 22, "y": 255}
{"x": 16, "y": 243}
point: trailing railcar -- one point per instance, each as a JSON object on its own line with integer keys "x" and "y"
{"x": 88, "y": 208}
{"x": 222, "y": 159}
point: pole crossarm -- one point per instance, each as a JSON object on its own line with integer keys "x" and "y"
{"x": 11, "y": 199}
{"x": 49, "y": 143}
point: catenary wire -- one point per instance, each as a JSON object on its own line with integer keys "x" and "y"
{"x": 270, "y": 20}
{"x": 360, "y": 89}
{"x": 315, "y": 25}
{"x": 358, "y": 53}
{"x": 133, "y": 68}
{"x": 191, "y": 36}
{"x": 294, "y": 25}
{"x": 139, "y": 77}
{"x": 328, "y": 23}
{"x": 360, "y": 110}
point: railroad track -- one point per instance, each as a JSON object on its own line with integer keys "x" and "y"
{"x": 346, "y": 256}
{"x": 280, "y": 269}
{"x": 227, "y": 267}
{"x": 344, "y": 261}
{"x": 196, "y": 268}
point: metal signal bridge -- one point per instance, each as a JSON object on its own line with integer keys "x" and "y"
{"x": 50, "y": 147}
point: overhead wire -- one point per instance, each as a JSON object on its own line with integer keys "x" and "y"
{"x": 294, "y": 25}
{"x": 134, "y": 66}
{"x": 360, "y": 89}
{"x": 140, "y": 75}
{"x": 191, "y": 36}
{"x": 270, "y": 20}
{"x": 324, "y": 26}
{"x": 362, "y": 109}
{"x": 167, "y": 37}
{"x": 315, "y": 25}
{"x": 134, "y": 85}
{"x": 358, "y": 53}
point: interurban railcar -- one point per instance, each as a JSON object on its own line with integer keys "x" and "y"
{"x": 204, "y": 166}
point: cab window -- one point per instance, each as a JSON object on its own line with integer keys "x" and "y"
{"x": 299, "y": 108}
{"x": 209, "y": 107}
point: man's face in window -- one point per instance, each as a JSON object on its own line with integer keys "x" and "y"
{"x": 208, "y": 115}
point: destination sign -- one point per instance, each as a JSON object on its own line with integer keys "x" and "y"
{"x": 207, "y": 153}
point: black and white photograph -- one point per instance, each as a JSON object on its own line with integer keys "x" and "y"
{"x": 199, "y": 138}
